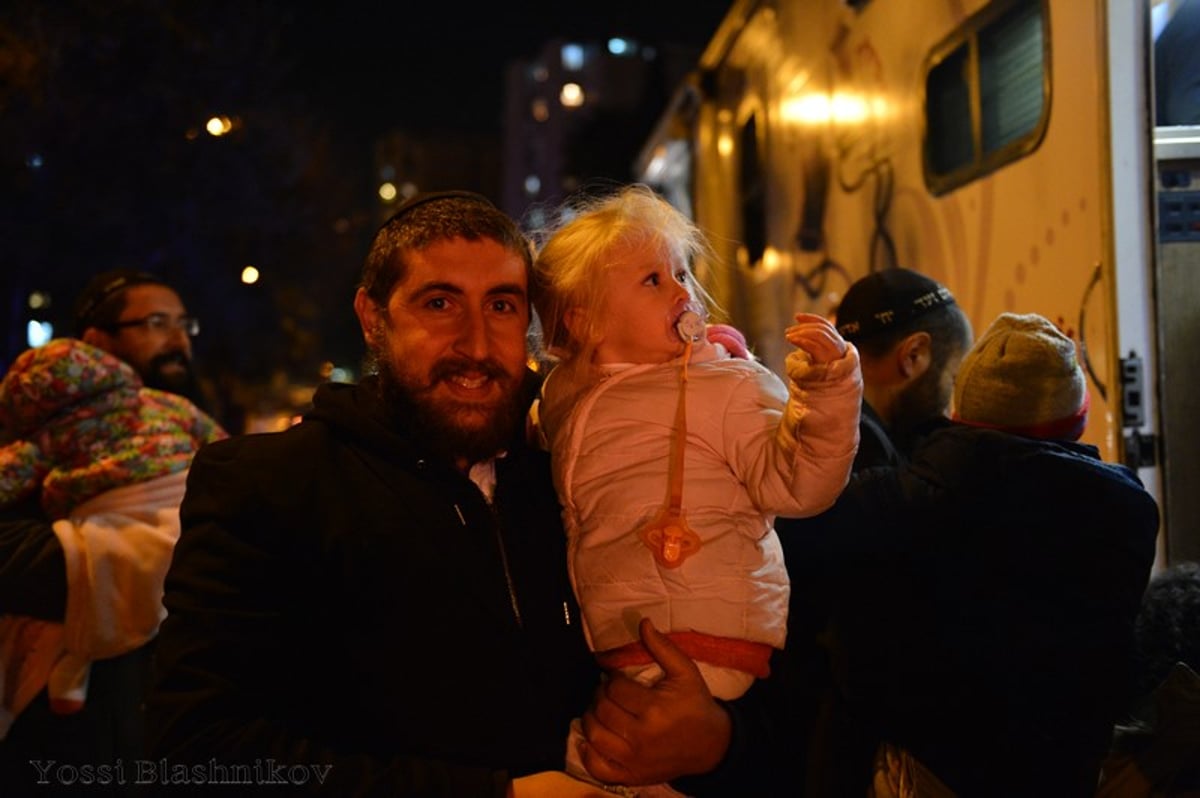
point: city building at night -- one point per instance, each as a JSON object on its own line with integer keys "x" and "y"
{"x": 578, "y": 113}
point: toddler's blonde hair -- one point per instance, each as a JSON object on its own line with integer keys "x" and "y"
{"x": 570, "y": 264}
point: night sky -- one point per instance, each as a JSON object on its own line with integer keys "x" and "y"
{"x": 104, "y": 162}
{"x": 383, "y": 64}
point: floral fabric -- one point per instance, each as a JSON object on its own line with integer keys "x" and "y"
{"x": 80, "y": 422}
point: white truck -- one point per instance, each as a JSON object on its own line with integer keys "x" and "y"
{"x": 1007, "y": 148}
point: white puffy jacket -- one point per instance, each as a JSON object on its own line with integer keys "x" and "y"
{"x": 754, "y": 450}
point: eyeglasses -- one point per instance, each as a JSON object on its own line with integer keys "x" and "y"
{"x": 162, "y": 323}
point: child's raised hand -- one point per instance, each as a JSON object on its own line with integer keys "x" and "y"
{"x": 817, "y": 337}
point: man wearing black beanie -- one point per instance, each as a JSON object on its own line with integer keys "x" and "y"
{"x": 911, "y": 335}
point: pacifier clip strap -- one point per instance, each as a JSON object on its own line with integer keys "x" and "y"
{"x": 679, "y": 444}
{"x": 668, "y": 536}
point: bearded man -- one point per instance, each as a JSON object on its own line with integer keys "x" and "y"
{"x": 376, "y": 599}
{"x": 141, "y": 319}
{"x": 911, "y": 335}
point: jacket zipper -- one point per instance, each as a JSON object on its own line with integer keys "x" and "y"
{"x": 508, "y": 579}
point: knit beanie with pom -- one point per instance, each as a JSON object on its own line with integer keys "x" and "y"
{"x": 1022, "y": 376}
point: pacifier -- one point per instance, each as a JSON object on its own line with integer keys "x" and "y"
{"x": 669, "y": 538}
{"x": 690, "y": 326}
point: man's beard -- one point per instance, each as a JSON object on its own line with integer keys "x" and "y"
{"x": 452, "y": 429}
{"x": 922, "y": 402}
{"x": 182, "y": 382}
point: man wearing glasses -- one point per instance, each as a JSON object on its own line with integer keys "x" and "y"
{"x": 140, "y": 319}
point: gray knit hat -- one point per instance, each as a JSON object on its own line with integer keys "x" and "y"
{"x": 1022, "y": 376}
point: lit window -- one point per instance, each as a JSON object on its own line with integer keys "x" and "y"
{"x": 218, "y": 125}
{"x": 621, "y": 47}
{"x": 572, "y": 57}
{"x": 571, "y": 95}
{"x": 38, "y": 332}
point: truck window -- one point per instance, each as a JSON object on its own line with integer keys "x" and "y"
{"x": 986, "y": 93}
{"x": 752, "y": 190}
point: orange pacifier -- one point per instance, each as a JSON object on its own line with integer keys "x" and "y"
{"x": 669, "y": 539}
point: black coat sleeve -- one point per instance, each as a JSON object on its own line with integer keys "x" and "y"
{"x": 33, "y": 573}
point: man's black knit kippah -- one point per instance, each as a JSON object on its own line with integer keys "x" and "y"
{"x": 417, "y": 200}
{"x": 885, "y": 300}
{"x": 103, "y": 286}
